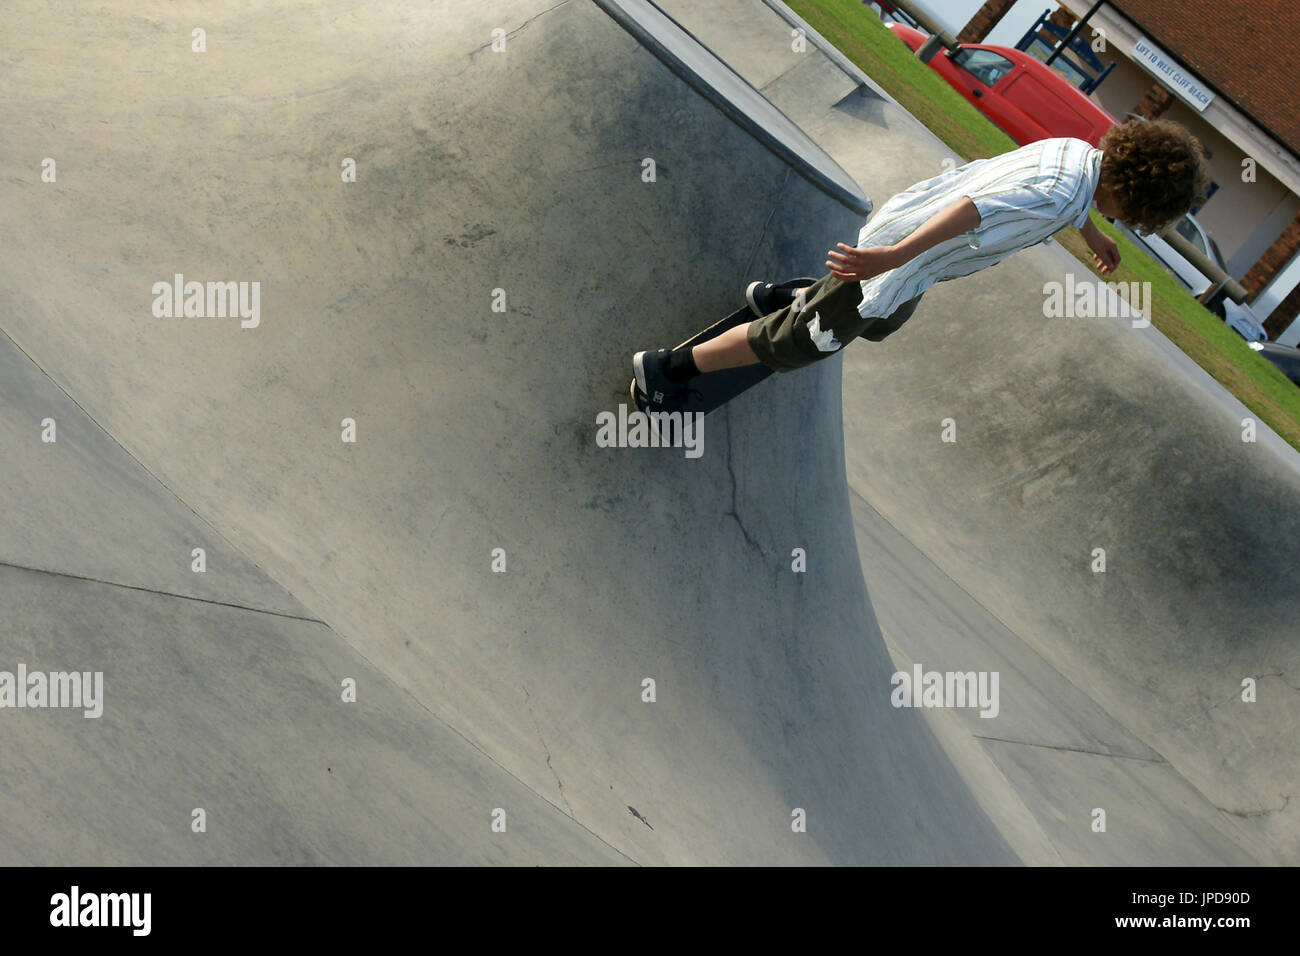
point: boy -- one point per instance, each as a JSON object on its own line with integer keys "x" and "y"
{"x": 1144, "y": 173}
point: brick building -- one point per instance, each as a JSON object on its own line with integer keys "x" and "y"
{"x": 1224, "y": 71}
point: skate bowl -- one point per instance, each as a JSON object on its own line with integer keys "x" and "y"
{"x": 1107, "y": 528}
{"x": 361, "y": 583}
{"x": 473, "y": 634}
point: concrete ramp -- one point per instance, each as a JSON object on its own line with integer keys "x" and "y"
{"x": 1121, "y": 690}
{"x": 482, "y": 177}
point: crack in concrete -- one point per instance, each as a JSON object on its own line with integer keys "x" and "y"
{"x": 1263, "y": 812}
{"x": 160, "y": 593}
{"x": 733, "y": 513}
{"x": 558, "y": 782}
{"x": 1234, "y": 698}
{"x": 521, "y": 26}
{"x": 613, "y": 165}
{"x": 776, "y": 202}
{"x": 1073, "y": 750}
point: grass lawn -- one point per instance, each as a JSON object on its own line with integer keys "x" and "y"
{"x": 858, "y": 33}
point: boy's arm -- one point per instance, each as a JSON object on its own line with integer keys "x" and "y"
{"x": 1106, "y": 253}
{"x": 858, "y": 265}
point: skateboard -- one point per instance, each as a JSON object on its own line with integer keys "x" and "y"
{"x": 711, "y": 390}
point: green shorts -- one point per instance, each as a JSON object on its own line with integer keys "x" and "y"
{"x": 791, "y": 338}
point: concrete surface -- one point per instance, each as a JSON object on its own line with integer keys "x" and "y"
{"x": 523, "y": 690}
{"x": 1072, "y": 434}
{"x": 475, "y": 431}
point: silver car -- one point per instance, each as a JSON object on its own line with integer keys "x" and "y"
{"x": 1163, "y": 252}
{"x": 1239, "y": 318}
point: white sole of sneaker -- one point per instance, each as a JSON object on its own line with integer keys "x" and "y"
{"x": 638, "y": 369}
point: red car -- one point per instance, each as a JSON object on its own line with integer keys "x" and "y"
{"x": 1022, "y": 95}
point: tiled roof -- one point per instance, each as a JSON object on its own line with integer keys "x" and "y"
{"x": 1245, "y": 51}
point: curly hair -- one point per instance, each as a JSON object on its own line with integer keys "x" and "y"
{"x": 1156, "y": 170}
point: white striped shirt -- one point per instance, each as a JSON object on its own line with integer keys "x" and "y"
{"x": 1023, "y": 197}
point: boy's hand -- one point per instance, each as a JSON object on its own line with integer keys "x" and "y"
{"x": 850, "y": 264}
{"x": 858, "y": 265}
{"x": 1106, "y": 253}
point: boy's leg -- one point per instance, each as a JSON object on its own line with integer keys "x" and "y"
{"x": 815, "y": 326}
{"x": 731, "y": 349}
{"x": 821, "y": 320}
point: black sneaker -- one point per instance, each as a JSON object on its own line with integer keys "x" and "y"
{"x": 653, "y": 393}
{"x": 764, "y": 298}
{"x": 654, "y": 388}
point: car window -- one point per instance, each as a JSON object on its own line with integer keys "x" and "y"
{"x": 985, "y": 65}
{"x": 1187, "y": 229}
